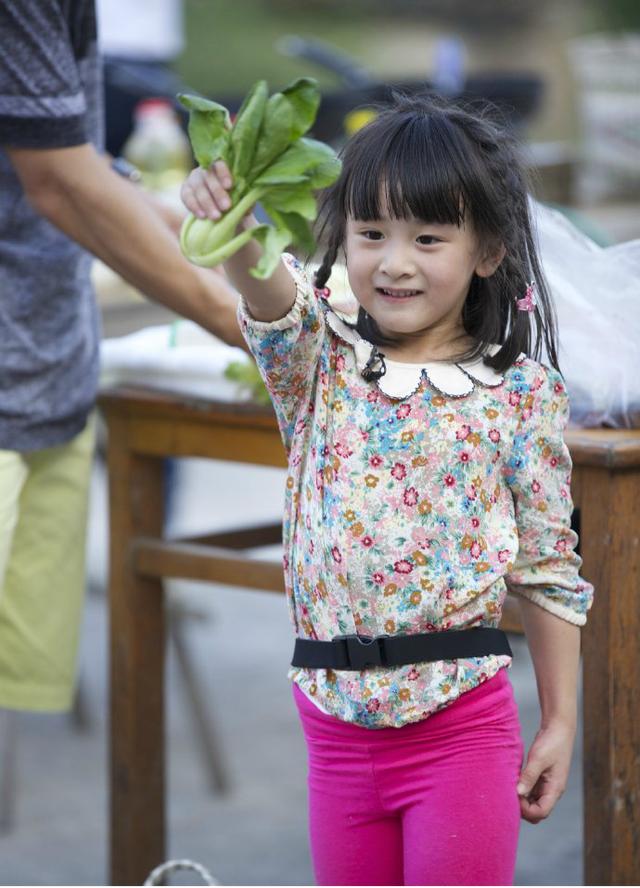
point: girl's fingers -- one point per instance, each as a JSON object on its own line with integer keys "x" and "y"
{"x": 198, "y": 201}
{"x": 204, "y": 193}
{"x": 534, "y": 810}
{"x": 540, "y": 802}
{"x": 222, "y": 171}
{"x": 212, "y": 193}
{"x": 191, "y": 202}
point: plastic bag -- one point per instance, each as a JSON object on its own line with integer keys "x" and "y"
{"x": 596, "y": 291}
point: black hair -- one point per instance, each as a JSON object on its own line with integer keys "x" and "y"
{"x": 442, "y": 162}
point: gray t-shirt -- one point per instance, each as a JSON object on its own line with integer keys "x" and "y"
{"x": 50, "y": 97}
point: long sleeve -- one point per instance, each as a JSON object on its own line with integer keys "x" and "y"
{"x": 538, "y": 472}
{"x": 287, "y": 351}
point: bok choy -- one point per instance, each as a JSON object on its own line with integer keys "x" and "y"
{"x": 271, "y": 162}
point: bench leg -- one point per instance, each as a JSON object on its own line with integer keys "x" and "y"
{"x": 611, "y": 662}
{"x": 137, "y": 650}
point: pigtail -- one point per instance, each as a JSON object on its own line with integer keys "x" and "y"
{"x": 323, "y": 273}
{"x": 330, "y": 230}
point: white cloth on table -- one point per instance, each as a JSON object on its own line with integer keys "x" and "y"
{"x": 179, "y": 357}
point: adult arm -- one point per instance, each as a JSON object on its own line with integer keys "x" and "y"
{"x": 76, "y": 190}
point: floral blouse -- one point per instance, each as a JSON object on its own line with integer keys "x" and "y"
{"x": 413, "y": 504}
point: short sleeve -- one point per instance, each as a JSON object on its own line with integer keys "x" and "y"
{"x": 538, "y": 473}
{"x": 287, "y": 351}
{"x": 42, "y": 101}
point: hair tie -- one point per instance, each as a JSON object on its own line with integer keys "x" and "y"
{"x": 322, "y": 292}
{"x": 369, "y": 371}
{"x": 528, "y": 302}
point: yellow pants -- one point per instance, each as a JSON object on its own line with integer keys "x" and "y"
{"x": 43, "y": 521}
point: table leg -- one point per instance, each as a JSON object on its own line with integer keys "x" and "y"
{"x": 137, "y": 644}
{"x": 611, "y": 651}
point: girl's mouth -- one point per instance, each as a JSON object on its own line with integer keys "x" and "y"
{"x": 392, "y": 293}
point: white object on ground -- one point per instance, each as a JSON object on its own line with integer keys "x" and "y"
{"x": 159, "y": 874}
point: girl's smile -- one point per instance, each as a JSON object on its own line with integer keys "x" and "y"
{"x": 390, "y": 293}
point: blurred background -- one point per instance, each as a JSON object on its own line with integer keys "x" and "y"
{"x": 566, "y": 75}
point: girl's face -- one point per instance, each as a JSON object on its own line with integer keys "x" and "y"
{"x": 412, "y": 278}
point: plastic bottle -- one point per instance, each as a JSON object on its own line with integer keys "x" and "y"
{"x": 158, "y": 147}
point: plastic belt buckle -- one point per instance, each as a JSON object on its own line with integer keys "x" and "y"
{"x": 364, "y": 650}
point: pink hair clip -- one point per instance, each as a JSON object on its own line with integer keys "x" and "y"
{"x": 528, "y": 302}
{"x": 322, "y": 293}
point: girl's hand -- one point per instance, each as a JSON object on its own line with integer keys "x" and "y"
{"x": 544, "y": 777}
{"x": 205, "y": 192}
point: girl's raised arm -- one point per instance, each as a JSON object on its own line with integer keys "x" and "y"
{"x": 205, "y": 193}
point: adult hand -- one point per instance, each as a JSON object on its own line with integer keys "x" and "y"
{"x": 544, "y": 776}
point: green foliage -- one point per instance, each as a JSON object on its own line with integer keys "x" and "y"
{"x": 270, "y": 161}
{"x": 209, "y": 129}
{"x": 246, "y": 374}
{"x": 244, "y": 134}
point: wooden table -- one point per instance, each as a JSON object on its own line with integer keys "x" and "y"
{"x": 145, "y": 427}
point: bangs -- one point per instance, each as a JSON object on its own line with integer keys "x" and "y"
{"x": 420, "y": 166}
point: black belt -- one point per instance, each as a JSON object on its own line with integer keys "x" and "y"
{"x": 361, "y": 652}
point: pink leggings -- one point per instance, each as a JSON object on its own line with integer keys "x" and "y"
{"x": 431, "y": 803}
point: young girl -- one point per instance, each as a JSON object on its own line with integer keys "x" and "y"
{"x": 427, "y": 477}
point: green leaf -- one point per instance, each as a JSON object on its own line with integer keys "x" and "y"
{"x": 199, "y": 103}
{"x": 276, "y": 132}
{"x": 292, "y": 199}
{"x": 304, "y": 96}
{"x": 301, "y": 234}
{"x": 209, "y": 128}
{"x": 288, "y": 115}
{"x": 324, "y": 174}
{"x": 273, "y": 241}
{"x": 209, "y": 136}
{"x": 268, "y": 181}
{"x": 301, "y": 157}
{"x": 246, "y": 129}
{"x": 269, "y": 161}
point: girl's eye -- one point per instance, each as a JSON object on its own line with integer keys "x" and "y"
{"x": 372, "y": 234}
{"x": 427, "y": 240}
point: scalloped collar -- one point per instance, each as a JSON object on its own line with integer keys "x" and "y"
{"x": 401, "y": 380}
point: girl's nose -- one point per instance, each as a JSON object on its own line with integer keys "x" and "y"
{"x": 396, "y": 261}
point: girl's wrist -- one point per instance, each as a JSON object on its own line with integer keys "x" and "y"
{"x": 558, "y": 705}
{"x": 565, "y": 717}
{"x": 247, "y": 222}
